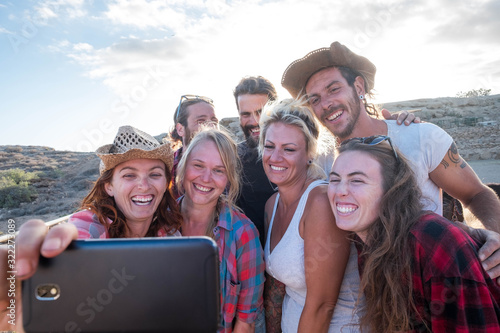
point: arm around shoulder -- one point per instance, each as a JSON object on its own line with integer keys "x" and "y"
{"x": 458, "y": 179}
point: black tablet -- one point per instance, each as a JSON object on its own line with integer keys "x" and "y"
{"x": 126, "y": 285}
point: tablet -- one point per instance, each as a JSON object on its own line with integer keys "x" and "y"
{"x": 126, "y": 285}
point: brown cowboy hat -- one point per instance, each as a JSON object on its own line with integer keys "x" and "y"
{"x": 298, "y": 72}
{"x": 131, "y": 143}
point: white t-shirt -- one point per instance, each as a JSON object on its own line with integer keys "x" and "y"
{"x": 424, "y": 145}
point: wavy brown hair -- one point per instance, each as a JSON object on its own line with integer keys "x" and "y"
{"x": 167, "y": 215}
{"x": 350, "y": 76}
{"x": 387, "y": 274}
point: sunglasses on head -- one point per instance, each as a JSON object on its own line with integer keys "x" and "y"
{"x": 188, "y": 98}
{"x": 372, "y": 141}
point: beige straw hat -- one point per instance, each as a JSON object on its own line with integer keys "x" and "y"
{"x": 131, "y": 143}
{"x": 300, "y": 71}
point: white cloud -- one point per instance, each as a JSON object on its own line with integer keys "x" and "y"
{"x": 211, "y": 45}
{"x": 146, "y": 14}
{"x": 58, "y": 9}
{"x": 5, "y": 31}
{"x": 172, "y": 14}
{"x": 83, "y": 47}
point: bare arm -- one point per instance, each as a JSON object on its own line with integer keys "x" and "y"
{"x": 274, "y": 290}
{"x": 10, "y": 294}
{"x": 326, "y": 252}
{"x": 458, "y": 179}
{"x": 274, "y": 293}
{"x": 489, "y": 253}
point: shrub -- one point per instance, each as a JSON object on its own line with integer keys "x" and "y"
{"x": 474, "y": 93}
{"x": 15, "y": 187}
{"x": 13, "y": 149}
{"x": 52, "y": 173}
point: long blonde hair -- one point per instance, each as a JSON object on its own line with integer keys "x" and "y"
{"x": 295, "y": 113}
{"x": 228, "y": 151}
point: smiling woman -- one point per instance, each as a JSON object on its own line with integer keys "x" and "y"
{"x": 209, "y": 179}
{"x": 304, "y": 248}
{"x": 419, "y": 272}
{"x": 131, "y": 197}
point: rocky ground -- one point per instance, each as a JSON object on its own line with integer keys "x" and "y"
{"x": 65, "y": 177}
{"x": 474, "y": 123}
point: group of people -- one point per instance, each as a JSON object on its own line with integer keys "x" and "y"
{"x": 304, "y": 245}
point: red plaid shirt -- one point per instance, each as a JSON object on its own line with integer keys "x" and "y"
{"x": 452, "y": 291}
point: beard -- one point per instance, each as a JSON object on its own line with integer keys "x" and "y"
{"x": 251, "y": 140}
{"x": 188, "y": 137}
{"x": 353, "y": 108}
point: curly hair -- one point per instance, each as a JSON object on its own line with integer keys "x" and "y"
{"x": 387, "y": 276}
{"x": 167, "y": 215}
{"x": 350, "y": 76}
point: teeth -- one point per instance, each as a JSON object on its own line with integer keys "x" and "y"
{"x": 255, "y": 130}
{"x": 142, "y": 199}
{"x": 346, "y": 209}
{"x": 335, "y": 115}
{"x": 202, "y": 188}
{"x": 277, "y": 168}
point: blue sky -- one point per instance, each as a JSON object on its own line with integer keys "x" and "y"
{"x": 72, "y": 72}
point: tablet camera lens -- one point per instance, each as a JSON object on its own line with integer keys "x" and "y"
{"x": 48, "y": 292}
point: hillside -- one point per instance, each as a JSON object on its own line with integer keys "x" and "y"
{"x": 65, "y": 176}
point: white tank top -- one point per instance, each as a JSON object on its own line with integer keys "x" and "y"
{"x": 286, "y": 264}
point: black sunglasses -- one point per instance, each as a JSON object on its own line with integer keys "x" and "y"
{"x": 373, "y": 140}
{"x": 191, "y": 97}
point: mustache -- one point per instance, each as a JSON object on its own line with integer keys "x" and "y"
{"x": 334, "y": 108}
{"x": 249, "y": 128}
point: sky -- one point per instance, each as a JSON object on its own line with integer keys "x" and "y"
{"x": 73, "y": 71}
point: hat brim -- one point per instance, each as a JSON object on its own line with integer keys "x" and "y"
{"x": 163, "y": 153}
{"x": 300, "y": 71}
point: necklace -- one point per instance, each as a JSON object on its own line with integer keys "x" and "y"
{"x": 274, "y": 188}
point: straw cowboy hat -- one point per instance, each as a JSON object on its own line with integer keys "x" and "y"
{"x": 300, "y": 71}
{"x": 131, "y": 143}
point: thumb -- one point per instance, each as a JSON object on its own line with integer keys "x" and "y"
{"x": 386, "y": 114}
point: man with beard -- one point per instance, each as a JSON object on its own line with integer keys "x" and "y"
{"x": 192, "y": 111}
{"x": 336, "y": 82}
{"x": 251, "y": 95}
